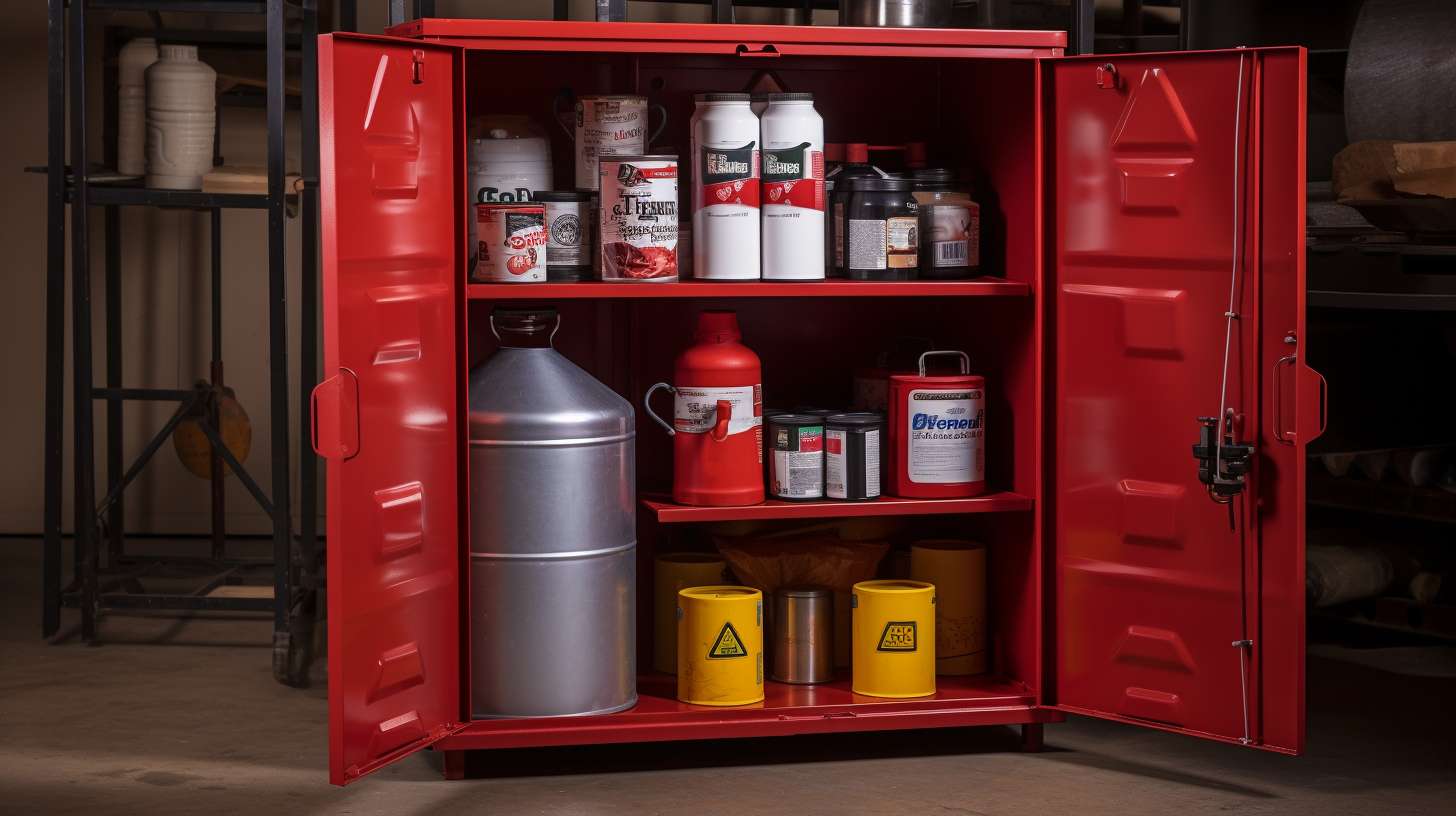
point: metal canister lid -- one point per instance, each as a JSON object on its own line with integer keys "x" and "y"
{"x": 795, "y": 419}
{"x": 721, "y": 97}
{"x": 790, "y": 97}
{"x": 804, "y": 592}
{"x": 563, "y": 195}
{"x": 885, "y": 185}
{"x": 855, "y": 419}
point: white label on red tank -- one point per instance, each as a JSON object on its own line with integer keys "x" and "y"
{"x": 946, "y": 433}
{"x": 695, "y": 410}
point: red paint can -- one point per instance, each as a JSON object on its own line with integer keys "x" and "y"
{"x": 937, "y": 432}
{"x": 717, "y": 423}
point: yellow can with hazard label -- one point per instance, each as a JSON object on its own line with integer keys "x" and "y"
{"x": 720, "y": 645}
{"x": 893, "y": 625}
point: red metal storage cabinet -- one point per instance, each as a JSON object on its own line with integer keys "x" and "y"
{"x": 1144, "y": 221}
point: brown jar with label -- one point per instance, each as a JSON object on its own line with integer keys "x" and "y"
{"x": 882, "y": 231}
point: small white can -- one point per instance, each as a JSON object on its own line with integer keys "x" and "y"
{"x": 793, "y": 188}
{"x": 639, "y": 218}
{"x": 512, "y": 242}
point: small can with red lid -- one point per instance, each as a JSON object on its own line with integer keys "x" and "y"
{"x": 937, "y": 432}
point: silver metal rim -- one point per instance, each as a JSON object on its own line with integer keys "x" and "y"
{"x": 553, "y": 556}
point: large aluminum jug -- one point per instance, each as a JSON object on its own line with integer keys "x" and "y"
{"x": 552, "y": 531}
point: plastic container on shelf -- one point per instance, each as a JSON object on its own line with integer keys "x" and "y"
{"x": 181, "y": 118}
{"x": 720, "y": 645}
{"x": 894, "y": 638}
{"x": 131, "y": 108}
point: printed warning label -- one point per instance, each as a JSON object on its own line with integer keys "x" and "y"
{"x": 899, "y": 636}
{"x": 727, "y": 644}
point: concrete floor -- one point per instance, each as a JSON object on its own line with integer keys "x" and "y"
{"x": 184, "y": 717}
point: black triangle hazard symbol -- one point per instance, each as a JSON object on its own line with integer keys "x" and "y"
{"x": 727, "y": 644}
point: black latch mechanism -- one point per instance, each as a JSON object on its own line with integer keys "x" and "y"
{"x": 1223, "y": 464}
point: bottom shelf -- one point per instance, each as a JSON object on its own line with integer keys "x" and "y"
{"x": 786, "y": 709}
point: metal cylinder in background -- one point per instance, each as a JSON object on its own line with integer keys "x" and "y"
{"x": 958, "y": 571}
{"x": 720, "y": 645}
{"x": 552, "y": 532}
{"x": 802, "y": 640}
{"x": 895, "y": 13}
{"x": 671, "y": 573}
{"x": 1400, "y": 76}
{"x": 894, "y": 639}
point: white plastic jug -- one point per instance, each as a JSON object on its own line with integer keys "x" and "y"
{"x": 181, "y": 118}
{"x": 131, "y": 108}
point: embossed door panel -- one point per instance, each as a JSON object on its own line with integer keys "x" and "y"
{"x": 1155, "y": 161}
{"x": 386, "y": 415}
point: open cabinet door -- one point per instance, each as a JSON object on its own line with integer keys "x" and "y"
{"x": 386, "y": 416}
{"x": 1175, "y": 180}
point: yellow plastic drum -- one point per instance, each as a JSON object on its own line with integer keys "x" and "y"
{"x": 670, "y": 574}
{"x": 894, "y": 639}
{"x": 958, "y": 571}
{"x": 720, "y": 645}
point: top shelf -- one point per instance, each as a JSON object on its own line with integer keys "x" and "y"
{"x": 740, "y": 40}
{"x": 976, "y": 287}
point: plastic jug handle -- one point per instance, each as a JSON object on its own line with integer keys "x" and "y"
{"x": 723, "y": 414}
{"x": 647, "y": 406}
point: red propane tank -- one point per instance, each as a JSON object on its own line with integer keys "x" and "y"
{"x": 937, "y": 433}
{"x": 717, "y": 421}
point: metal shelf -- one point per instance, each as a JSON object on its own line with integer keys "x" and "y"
{"x": 118, "y": 195}
{"x": 978, "y": 287}
{"x": 669, "y": 512}
{"x": 1383, "y": 498}
{"x": 197, "y": 6}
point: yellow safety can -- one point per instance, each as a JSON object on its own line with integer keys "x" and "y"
{"x": 894, "y": 638}
{"x": 958, "y": 571}
{"x": 720, "y": 645}
{"x": 671, "y": 573}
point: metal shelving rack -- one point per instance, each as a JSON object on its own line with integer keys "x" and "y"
{"x": 295, "y": 563}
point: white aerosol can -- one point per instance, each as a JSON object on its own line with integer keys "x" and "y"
{"x": 725, "y": 150}
{"x": 793, "y": 188}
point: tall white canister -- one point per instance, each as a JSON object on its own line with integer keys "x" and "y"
{"x": 131, "y": 107}
{"x": 181, "y": 118}
{"x": 725, "y": 149}
{"x": 793, "y": 188}
{"x": 505, "y": 167}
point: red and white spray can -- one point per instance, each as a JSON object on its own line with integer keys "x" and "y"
{"x": 717, "y": 422}
{"x": 937, "y": 432}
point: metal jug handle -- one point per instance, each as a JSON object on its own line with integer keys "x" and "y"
{"x": 965, "y": 360}
{"x": 661, "y": 126}
{"x": 560, "y": 115}
{"x": 550, "y": 341}
{"x": 647, "y": 406}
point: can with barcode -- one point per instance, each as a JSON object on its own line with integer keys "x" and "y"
{"x": 950, "y": 226}
{"x": 796, "y": 456}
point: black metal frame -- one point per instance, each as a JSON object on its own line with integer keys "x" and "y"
{"x": 295, "y": 565}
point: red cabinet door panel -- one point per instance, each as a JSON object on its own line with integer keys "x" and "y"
{"x": 387, "y": 414}
{"x": 1153, "y": 585}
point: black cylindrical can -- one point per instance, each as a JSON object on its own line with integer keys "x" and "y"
{"x": 568, "y": 233}
{"x": 882, "y": 231}
{"x": 796, "y": 457}
{"x": 852, "y": 456}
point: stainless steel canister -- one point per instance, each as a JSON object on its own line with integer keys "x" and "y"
{"x": 552, "y": 532}
{"x": 803, "y": 635}
{"x": 895, "y": 13}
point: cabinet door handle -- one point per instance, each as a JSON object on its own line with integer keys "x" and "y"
{"x": 1279, "y": 433}
{"x": 333, "y": 409}
{"x": 765, "y": 50}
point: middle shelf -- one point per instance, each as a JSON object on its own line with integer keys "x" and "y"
{"x": 669, "y": 512}
{"x": 975, "y": 287}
